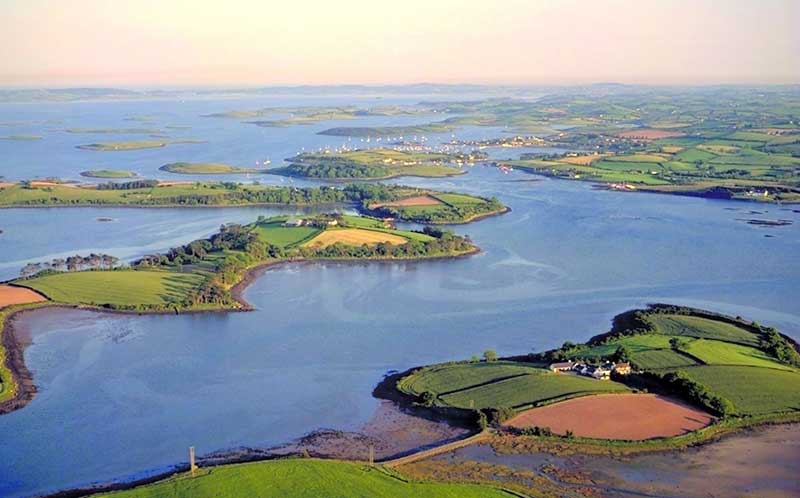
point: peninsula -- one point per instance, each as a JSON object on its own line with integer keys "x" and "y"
{"x": 671, "y": 375}
{"x": 204, "y": 275}
{"x": 394, "y": 201}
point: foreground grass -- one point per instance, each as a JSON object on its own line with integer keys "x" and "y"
{"x": 303, "y": 478}
{"x": 120, "y": 287}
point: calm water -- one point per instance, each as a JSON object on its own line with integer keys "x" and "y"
{"x": 126, "y": 395}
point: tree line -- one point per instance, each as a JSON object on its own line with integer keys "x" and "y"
{"x": 72, "y": 263}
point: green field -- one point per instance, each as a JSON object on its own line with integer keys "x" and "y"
{"x": 108, "y": 173}
{"x": 276, "y": 233}
{"x": 303, "y": 478}
{"x": 752, "y": 390}
{"x": 702, "y": 328}
{"x": 184, "y": 168}
{"x": 453, "y": 208}
{"x": 120, "y": 287}
{"x": 724, "y": 353}
{"x": 649, "y": 351}
{"x": 500, "y": 384}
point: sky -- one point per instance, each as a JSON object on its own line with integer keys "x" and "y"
{"x": 277, "y": 42}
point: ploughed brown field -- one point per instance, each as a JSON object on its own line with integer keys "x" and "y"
{"x": 650, "y": 134}
{"x": 17, "y": 295}
{"x": 420, "y": 200}
{"x": 616, "y": 416}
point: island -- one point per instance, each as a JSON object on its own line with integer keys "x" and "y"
{"x": 108, "y": 173}
{"x": 114, "y": 131}
{"x": 21, "y": 138}
{"x": 376, "y": 164}
{"x": 388, "y": 201}
{"x": 390, "y": 131}
{"x": 184, "y": 168}
{"x": 204, "y": 275}
{"x": 671, "y": 376}
{"x": 315, "y": 114}
{"x": 134, "y": 145}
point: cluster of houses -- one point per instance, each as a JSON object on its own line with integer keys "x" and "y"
{"x": 600, "y": 372}
{"x": 313, "y": 222}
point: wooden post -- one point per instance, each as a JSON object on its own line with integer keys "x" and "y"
{"x": 192, "y": 465}
{"x": 371, "y": 455}
{"x": 472, "y": 404}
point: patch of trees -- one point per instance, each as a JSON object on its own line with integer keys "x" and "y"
{"x": 136, "y": 184}
{"x": 778, "y": 346}
{"x": 680, "y": 383}
{"x": 340, "y": 168}
{"x": 72, "y": 263}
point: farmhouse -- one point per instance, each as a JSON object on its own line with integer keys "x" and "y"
{"x": 599, "y": 372}
{"x": 622, "y": 368}
{"x": 564, "y": 366}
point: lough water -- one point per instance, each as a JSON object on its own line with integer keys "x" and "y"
{"x": 121, "y": 396}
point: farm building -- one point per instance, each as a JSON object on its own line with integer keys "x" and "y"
{"x": 622, "y": 368}
{"x": 564, "y": 366}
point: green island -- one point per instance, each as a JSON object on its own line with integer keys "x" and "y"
{"x": 108, "y": 173}
{"x": 21, "y": 138}
{"x": 184, "y": 168}
{"x": 376, "y": 164}
{"x": 393, "y": 201}
{"x": 114, "y": 131}
{"x": 208, "y": 274}
{"x": 319, "y": 478}
{"x": 733, "y": 372}
{"x": 391, "y": 131}
{"x": 134, "y": 145}
{"x": 314, "y": 114}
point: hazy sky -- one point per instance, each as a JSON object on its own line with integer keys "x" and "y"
{"x": 250, "y": 42}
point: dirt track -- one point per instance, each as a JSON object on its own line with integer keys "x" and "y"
{"x": 616, "y": 416}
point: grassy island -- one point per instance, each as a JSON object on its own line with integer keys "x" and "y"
{"x": 729, "y": 371}
{"x": 393, "y": 201}
{"x": 134, "y": 145}
{"x": 375, "y": 164}
{"x": 21, "y": 138}
{"x": 183, "y": 168}
{"x": 108, "y": 173}
{"x": 207, "y": 274}
{"x": 114, "y": 131}
{"x": 390, "y": 131}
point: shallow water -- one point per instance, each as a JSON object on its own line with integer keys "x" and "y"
{"x": 758, "y": 463}
{"x": 125, "y": 395}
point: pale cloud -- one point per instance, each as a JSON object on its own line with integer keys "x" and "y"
{"x": 148, "y": 42}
